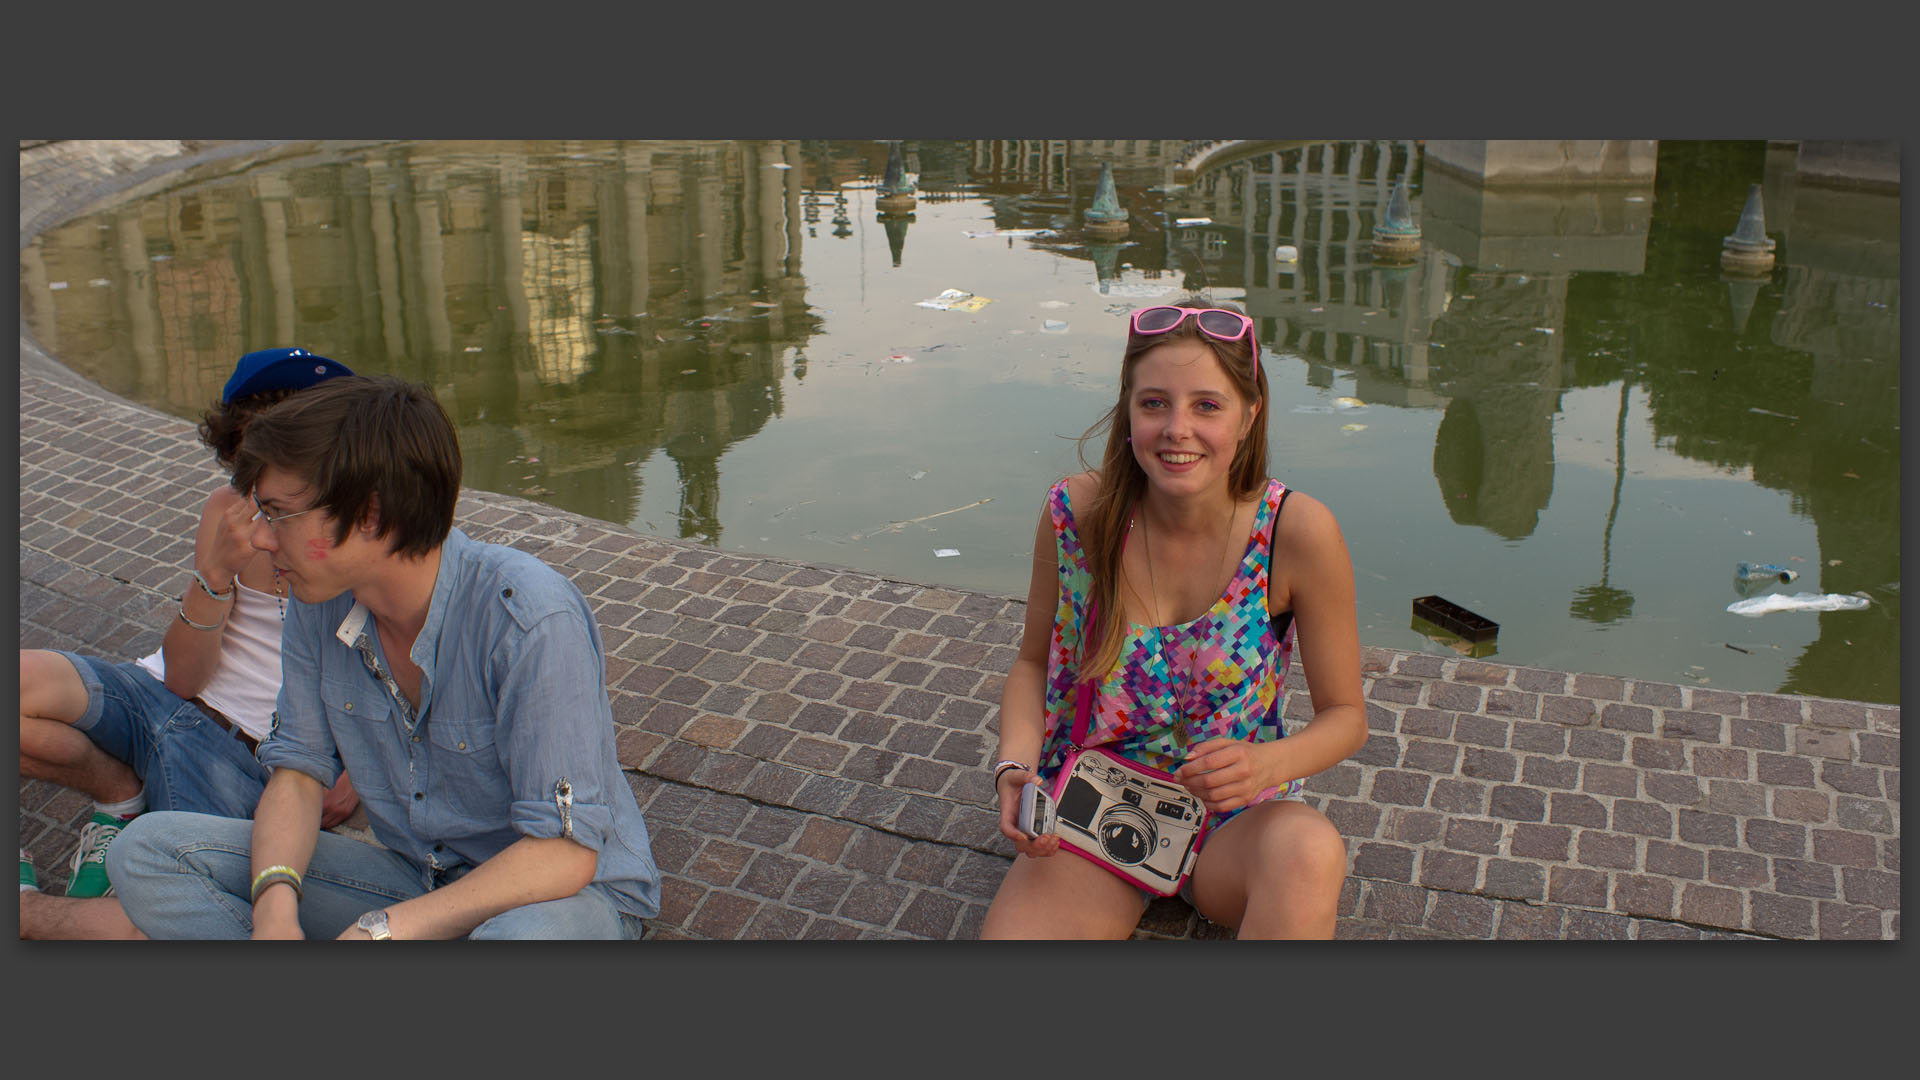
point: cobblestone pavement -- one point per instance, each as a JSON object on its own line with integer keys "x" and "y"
{"x": 809, "y": 743}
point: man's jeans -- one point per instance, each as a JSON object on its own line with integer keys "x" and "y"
{"x": 189, "y": 876}
{"x": 184, "y": 759}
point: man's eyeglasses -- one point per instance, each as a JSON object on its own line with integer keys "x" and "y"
{"x": 273, "y": 520}
{"x": 1217, "y": 323}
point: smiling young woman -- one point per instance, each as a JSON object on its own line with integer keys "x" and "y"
{"x": 1167, "y": 594}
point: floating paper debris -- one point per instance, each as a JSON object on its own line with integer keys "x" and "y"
{"x": 955, "y": 300}
{"x": 1053, "y": 326}
{"x": 1286, "y": 253}
{"x": 56, "y": 284}
{"x": 1054, "y": 304}
{"x": 899, "y": 358}
{"x": 472, "y": 348}
{"x": 945, "y": 553}
{"x": 920, "y": 475}
{"x": 1348, "y": 403}
{"x": 1186, "y": 221}
{"x": 99, "y": 283}
{"x": 1353, "y": 427}
{"x": 1762, "y": 605}
{"x": 976, "y": 234}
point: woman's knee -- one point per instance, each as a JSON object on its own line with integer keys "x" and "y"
{"x": 1302, "y": 845}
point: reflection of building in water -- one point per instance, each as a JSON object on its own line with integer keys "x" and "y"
{"x": 574, "y": 305}
{"x": 1321, "y": 201}
{"x": 1493, "y": 453}
{"x": 1472, "y": 327}
{"x": 556, "y": 274}
{"x": 1840, "y": 305}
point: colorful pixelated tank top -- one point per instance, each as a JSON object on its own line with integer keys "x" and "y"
{"x": 1219, "y": 676}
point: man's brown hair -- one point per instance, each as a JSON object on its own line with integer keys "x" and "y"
{"x": 357, "y": 440}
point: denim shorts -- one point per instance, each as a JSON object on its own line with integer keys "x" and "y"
{"x": 186, "y": 761}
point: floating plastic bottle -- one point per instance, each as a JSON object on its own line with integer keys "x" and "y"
{"x": 1747, "y": 571}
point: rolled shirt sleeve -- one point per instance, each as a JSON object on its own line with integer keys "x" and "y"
{"x": 300, "y": 738}
{"x": 554, "y": 726}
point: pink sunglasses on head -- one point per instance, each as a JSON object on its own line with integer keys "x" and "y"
{"x": 1217, "y": 323}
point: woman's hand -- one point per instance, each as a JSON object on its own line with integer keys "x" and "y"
{"x": 1225, "y": 774}
{"x": 1009, "y": 785}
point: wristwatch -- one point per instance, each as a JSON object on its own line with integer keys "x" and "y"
{"x": 375, "y": 924}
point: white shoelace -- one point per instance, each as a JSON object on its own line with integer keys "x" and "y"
{"x": 95, "y": 838}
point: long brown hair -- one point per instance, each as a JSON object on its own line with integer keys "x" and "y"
{"x": 1121, "y": 483}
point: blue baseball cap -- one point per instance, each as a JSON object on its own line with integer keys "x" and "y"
{"x": 279, "y": 369}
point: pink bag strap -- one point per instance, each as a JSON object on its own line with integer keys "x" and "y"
{"x": 1085, "y": 688}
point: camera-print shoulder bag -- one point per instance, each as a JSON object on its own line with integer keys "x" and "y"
{"x": 1133, "y": 820}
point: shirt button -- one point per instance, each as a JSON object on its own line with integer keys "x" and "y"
{"x": 419, "y": 794}
{"x": 416, "y": 738}
{"x": 348, "y": 706}
{"x": 463, "y": 746}
{"x": 508, "y": 593}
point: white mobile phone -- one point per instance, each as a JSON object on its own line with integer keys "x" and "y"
{"x": 1036, "y": 810}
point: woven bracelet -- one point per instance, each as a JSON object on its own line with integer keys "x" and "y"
{"x": 274, "y": 874}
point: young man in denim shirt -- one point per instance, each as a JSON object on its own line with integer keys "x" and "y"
{"x": 461, "y": 683}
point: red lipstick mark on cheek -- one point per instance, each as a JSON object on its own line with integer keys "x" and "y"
{"x": 317, "y": 549}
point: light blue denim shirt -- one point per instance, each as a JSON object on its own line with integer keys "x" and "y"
{"x": 513, "y": 736}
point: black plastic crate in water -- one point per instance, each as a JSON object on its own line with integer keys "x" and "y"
{"x": 1455, "y": 619}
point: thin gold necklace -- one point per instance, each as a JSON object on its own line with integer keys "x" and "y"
{"x": 1146, "y": 537}
{"x": 1192, "y": 681}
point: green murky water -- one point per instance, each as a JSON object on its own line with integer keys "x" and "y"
{"x": 1562, "y": 416}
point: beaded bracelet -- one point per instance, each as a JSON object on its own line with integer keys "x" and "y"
{"x": 208, "y": 627}
{"x": 273, "y": 875}
{"x": 208, "y": 589}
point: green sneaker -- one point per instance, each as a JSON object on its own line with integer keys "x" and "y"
{"x": 89, "y": 863}
{"x": 29, "y": 881}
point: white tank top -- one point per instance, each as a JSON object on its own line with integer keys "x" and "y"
{"x": 246, "y": 680}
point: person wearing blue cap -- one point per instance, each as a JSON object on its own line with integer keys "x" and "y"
{"x": 175, "y": 730}
{"x": 464, "y": 685}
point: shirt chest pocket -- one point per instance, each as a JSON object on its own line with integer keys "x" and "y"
{"x": 360, "y": 718}
{"x": 466, "y": 768}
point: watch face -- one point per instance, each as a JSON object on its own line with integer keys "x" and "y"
{"x": 374, "y": 923}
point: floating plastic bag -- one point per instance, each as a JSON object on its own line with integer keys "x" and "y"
{"x": 1806, "y": 601}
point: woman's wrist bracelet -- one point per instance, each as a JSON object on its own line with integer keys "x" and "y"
{"x": 207, "y": 627}
{"x": 1003, "y": 765}
{"x": 208, "y": 589}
